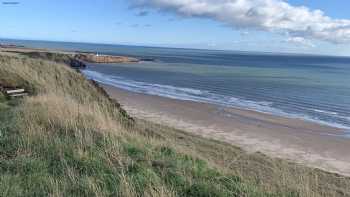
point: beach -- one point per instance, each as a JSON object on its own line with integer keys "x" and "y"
{"x": 296, "y": 140}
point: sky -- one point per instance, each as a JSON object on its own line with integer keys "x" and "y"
{"x": 296, "y": 26}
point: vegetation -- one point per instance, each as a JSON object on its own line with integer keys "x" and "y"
{"x": 69, "y": 139}
{"x": 56, "y": 57}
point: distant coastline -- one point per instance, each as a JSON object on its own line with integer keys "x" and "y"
{"x": 106, "y": 59}
{"x": 22, "y": 41}
{"x": 76, "y": 55}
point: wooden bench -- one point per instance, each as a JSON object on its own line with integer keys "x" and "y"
{"x": 13, "y": 91}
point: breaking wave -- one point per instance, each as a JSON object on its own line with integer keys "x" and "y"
{"x": 190, "y": 94}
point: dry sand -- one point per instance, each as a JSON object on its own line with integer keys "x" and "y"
{"x": 293, "y": 139}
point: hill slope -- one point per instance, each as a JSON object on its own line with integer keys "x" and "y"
{"x": 69, "y": 139}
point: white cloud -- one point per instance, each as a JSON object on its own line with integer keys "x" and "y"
{"x": 267, "y": 15}
{"x": 300, "y": 41}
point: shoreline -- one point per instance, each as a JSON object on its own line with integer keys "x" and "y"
{"x": 292, "y": 139}
{"x": 96, "y": 135}
{"x": 295, "y": 140}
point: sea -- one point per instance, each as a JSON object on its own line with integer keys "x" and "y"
{"x": 310, "y": 87}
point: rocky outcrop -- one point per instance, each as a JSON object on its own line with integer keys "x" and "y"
{"x": 93, "y": 58}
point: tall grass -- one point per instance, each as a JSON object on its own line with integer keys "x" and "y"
{"x": 70, "y": 139}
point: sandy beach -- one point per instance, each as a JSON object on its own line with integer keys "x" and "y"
{"x": 293, "y": 139}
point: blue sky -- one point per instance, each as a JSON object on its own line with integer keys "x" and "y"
{"x": 163, "y": 24}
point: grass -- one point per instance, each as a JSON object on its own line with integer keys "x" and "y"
{"x": 69, "y": 139}
{"x": 51, "y": 56}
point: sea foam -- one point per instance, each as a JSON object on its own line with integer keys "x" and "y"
{"x": 190, "y": 94}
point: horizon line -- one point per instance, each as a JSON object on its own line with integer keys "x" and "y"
{"x": 183, "y": 48}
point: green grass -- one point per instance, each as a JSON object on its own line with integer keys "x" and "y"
{"x": 100, "y": 164}
{"x": 51, "y": 56}
{"x": 69, "y": 139}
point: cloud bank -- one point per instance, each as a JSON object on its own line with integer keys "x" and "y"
{"x": 267, "y": 15}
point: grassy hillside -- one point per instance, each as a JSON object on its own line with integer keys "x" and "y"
{"x": 69, "y": 139}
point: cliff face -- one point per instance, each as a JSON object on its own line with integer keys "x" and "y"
{"x": 92, "y": 58}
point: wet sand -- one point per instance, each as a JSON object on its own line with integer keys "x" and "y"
{"x": 293, "y": 139}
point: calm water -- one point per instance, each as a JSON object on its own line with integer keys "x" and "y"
{"x": 315, "y": 88}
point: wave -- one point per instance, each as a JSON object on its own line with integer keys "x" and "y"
{"x": 177, "y": 92}
{"x": 334, "y": 114}
{"x": 325, "y": 112}
{"x": 196, "y": 95}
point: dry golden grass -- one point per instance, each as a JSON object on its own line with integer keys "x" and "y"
{"x": 274, "y": 175}
{"x": 63, "y": 110}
